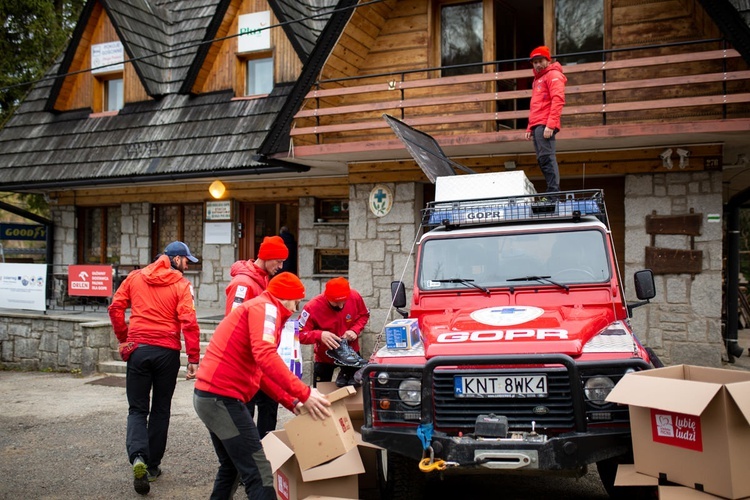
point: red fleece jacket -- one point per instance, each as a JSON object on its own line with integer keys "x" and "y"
{"x": 241, "y": 357}
{"x": 318, "y": 316}
{"x": 161, "y": 305}
{"x": 248, "y": 281}
{"x": 547, "y": 97}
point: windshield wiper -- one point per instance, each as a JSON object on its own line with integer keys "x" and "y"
{"x": 465, "y": 282}
{"x": 542, "y": 279}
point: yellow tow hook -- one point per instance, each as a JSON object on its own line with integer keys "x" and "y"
{"x": 429, "y": 464}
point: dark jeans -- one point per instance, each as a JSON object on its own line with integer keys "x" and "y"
{"x": 268, "y": 411}
{"x": 150, "y": 368}
{"x": 323, "y": 372}
{"x": 237, "y": 445}
{"x": 545, "y": 157}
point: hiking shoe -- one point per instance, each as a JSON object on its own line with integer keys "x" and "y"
{"x": 140, "y": 476}
{"x": 343, "y": 379}
{"x": 344, "y": 355}
{"x": 153, "y": 474}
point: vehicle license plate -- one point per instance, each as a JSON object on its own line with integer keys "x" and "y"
{"x": 500, "y": 386}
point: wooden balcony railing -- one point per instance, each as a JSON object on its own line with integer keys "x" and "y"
{"x": 692, "y": 86}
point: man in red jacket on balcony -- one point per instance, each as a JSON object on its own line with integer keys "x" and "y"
{"x": 547, "y": 101}
{"x": 240, "y": 359}
{"x": 339, "y": 313}
{"x": 161, "y": 306}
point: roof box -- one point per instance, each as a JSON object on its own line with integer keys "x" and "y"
{"x": 480, "y": 186}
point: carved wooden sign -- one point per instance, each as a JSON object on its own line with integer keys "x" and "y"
{"x": 674, "y": 260}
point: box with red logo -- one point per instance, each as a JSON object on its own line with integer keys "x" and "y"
{"x": 690, "y": 425}
{"x": 317, "y": 441}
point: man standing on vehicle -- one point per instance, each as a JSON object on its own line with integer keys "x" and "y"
{"x": 547, "y": 101}
{"x": 333, "y": 321}
{"x": 249, "y": 279}
{"x": 161, "y": 306}
{"x": 241, "y": 358}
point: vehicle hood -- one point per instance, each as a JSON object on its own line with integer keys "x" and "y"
{"x": 513, "y": 330}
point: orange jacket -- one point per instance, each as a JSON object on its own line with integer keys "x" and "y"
{"x": 547, "y": 97}
{"x": 248, "y": 281}
{"x": 241, "y": 357}
{"x": 161, "y": 305}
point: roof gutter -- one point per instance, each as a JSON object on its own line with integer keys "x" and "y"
{"x": 271, "y": 167}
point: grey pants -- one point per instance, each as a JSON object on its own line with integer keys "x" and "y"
{"x": 545, "y": 157}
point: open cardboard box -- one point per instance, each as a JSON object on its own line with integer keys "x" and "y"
{"x": 691, "y": 426}
{"x": 318, "y": 441}
{"x": 339, "y": 478}
{"x": 354, "y": 403}
{"x": 627, "y": 477}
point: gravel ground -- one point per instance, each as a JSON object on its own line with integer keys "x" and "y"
{"x": 72, "y": 444}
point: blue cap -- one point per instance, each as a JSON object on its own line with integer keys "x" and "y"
{"x": 179, "y": 248}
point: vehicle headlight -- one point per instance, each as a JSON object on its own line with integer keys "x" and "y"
{"x": 597, "y": 389}
{"x": 410, "y": 391}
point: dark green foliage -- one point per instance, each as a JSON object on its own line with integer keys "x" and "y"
{"x": 33, "y": 34}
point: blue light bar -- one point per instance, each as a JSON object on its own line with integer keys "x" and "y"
{"x": 565, "y": 205}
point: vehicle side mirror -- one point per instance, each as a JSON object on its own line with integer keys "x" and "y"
{"x": 398, "y": 294}
{"x": 645, "y": 288}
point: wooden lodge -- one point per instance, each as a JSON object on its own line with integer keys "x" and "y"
{"x": 283, "y": 102}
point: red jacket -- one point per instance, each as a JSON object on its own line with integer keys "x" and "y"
{"x": 161, "y": 305}
{"x": 248, "y": 281}
{"x": 241, "y": 357}
{"x": 317, "y": 316}
{"x": 547, "y": 97}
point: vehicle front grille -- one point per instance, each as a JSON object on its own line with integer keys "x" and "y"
{"x": 555, "y": 411}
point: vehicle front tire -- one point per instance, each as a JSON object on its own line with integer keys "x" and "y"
{"x": 608, "y": 470}
{"x": 399, "y": 477}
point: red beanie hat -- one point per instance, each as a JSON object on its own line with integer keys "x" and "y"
{"x": 542, "y": 51}
{"x": 337, "y": 289}
{"x": 273, "y": 248}
{"x": 286, "y": 286}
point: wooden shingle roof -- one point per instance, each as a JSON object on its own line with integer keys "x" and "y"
{"x": 175, "y": 135}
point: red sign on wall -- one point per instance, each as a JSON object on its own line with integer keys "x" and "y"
{"x": 676, "y": 429}
{"x": 90, "y": 281}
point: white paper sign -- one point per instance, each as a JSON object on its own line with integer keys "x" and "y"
{"x": 218, "y": 233}
{"x": 254, "y": 31}
{"x": 23, "y": 286}
{"x": 104, "y": 54}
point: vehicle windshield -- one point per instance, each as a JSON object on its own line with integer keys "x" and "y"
{"x": 561, "y": 258}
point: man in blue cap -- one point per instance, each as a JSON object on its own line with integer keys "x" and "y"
{"x": 161, "y": 306}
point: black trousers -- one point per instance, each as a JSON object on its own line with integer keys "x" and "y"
{"x": 268, "y": 411}
{"x": 150, "y": 369}
{"x": 237, "y": 445}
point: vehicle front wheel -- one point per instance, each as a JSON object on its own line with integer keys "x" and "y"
{"x": 399, "y": 477}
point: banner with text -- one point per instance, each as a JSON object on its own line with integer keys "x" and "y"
{"x": 22, "y": 286}
{"x": 90, "y": 281}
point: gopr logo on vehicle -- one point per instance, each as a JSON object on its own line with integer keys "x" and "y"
{"x": 493, "y": 335}
{"x": 506, "y": 316}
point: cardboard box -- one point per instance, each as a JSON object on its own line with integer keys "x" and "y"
{"x": 343, "y": 477}
{"x": 627, "y": 477}
{"x": 691, "y": 424}
{"x": 337, "y": 478}
{"x": 353, "y": 402}
{"x": 317, "y": 441}
{"x": 402, "y": 333}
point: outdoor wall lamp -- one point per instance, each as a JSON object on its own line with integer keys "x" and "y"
{"x": 217, "y": 189}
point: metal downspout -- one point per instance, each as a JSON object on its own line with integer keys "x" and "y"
{"x": 734, "y": 350}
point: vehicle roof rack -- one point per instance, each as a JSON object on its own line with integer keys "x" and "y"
{"x": 562, "y": 205}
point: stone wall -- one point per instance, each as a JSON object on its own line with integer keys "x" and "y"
{"x": 379, "y": 252}
{"x": 683, "y": 322}
{"x": 58, "y": 343}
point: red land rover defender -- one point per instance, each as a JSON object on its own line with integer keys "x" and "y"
{"x": 524, "y": 330}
